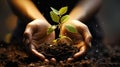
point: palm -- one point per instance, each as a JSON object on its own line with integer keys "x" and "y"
{"x": 38, "y": 32}
{"x": 40, "y": 35}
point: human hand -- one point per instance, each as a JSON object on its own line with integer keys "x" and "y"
{"x": 36, "y": 34}
{"x": 81, "y": 39}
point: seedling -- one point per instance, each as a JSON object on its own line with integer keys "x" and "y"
{"x": 58, "y": 16}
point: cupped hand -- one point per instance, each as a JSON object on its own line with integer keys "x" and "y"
{"x": 81, "y": 39}
{"x": 36, "y": 34}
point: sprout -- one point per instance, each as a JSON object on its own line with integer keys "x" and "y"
{"x": 60, "y": 18}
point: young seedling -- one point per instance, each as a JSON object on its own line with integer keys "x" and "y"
{"x": 59, "y": 17}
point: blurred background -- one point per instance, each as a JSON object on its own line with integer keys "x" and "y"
{"x": 108, "y": 16}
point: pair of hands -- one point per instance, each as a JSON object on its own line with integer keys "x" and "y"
{"x": 36, "y": 33}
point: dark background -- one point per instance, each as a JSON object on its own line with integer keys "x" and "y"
{"x": 109, "y": 17}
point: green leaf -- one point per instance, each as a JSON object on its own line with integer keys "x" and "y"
{"x": 55, "y": 40}
{"x": 71, "y": 28}
{"x": 62, "y": 36}
{"x": 55, "y": 11}
{"x": 65, "y": 18}
{"x": 63, "y": 10}
{"x": 54, "y": 16}
{"x": 51, "y": 29}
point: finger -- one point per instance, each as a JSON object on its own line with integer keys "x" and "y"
{"x": 53, "y": 60}
{"x": 61, "y": 63}
{"x": 46, "y": 61}
{"x": 36, "y": 53}
{"x": 86, "y": 33}
{"x": 27, "y": 36}
{"x": 82, "y": 51}
{"x": 69, "y": 60}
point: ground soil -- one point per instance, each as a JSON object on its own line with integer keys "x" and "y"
{"x": 96, "y": 56}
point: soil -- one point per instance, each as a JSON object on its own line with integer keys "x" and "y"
{"x": 60, "y": 51}
{"x": 97, "y": 56}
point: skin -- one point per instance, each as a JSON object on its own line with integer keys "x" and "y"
{"x": 81, "y": 39}
{"x": 36, "y": 34}
{"x": 82, "y": 12}
{"x": 37, "y": 25}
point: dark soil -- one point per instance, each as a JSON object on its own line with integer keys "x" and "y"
{"x": 60, "y": 51}
{"x": 96, "y": 56}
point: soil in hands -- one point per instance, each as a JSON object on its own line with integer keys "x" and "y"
{"x": 59, "y": 51}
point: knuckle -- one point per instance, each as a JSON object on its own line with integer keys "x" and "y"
{"x": 85, "y": 27}
{"x": 90, "y": 36}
